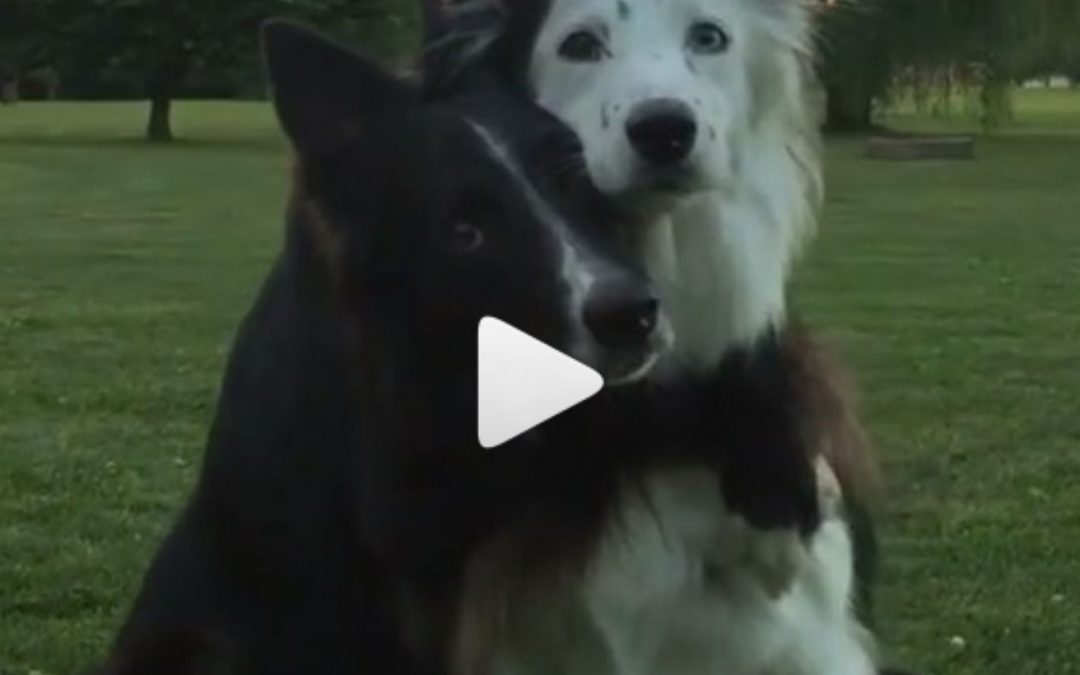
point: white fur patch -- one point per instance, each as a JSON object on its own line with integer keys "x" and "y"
{"x": 540, "y": 208}
{"x": 721, "y": 248}
{"x": 673, "y": 591}
{"x": 579, "y": 268}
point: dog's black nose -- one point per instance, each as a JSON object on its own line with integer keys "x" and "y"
{"x": 662, "y": 130}
{"x": 621, "y": 314}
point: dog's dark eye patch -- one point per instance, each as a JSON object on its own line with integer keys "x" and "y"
{"x": 466, "y": 226}
{"x": 473, "y": 206}
{"x": 464, "y": 237}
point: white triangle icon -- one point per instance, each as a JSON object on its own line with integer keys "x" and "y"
{"x": 524, "y": 382}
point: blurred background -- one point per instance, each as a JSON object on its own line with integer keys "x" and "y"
{"x": 142, "y": 181}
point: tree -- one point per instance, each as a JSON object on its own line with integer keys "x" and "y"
{"x": 9, "y": 89}
{"x": 932, "y": 49}
{"x": 13, "y": 28}
{"x": 856, "y": 64}
{"x": 161, "y": 43}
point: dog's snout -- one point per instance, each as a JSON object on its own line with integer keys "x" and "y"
{"x": 621, "y": 314}
{"x": 662, "y": 130}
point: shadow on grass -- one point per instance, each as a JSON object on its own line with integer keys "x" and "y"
{"x": 262, "y": 144}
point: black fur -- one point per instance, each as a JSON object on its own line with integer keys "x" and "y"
{"x": 749, "y": 403}
{"x": 752, "y": 404}
{"x": 343, "y": 489}
{"x": 745, "y": 416}
{"x": 342, "y": 472}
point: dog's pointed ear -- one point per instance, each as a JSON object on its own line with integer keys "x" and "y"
{"x": 456, "y": 33}
{"x": 512, "y": 50}
{"x": 492, "y": 36}
{"x": 435, "y": 14}
{"x": 323, "y": 92}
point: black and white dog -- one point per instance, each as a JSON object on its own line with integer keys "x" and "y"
{"x": 346, "y": 520}
{"x": 344, "y": 500}
{"x": 695, "y": 116}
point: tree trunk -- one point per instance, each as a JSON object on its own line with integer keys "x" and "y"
{"x": 159, "y": 130}
{"x": 166, "y": 80}
{"x": 9, "y": 91}
{"x": 995, "y": 98}
{"x": 847, "y": 113}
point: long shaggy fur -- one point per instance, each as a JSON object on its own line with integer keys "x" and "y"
{"x": 721, "y": 249}
{"x": 724, "y": 249}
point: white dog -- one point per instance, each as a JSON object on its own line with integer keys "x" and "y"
{"x": 696, "y": 112}
{"x": 696, "y": 115}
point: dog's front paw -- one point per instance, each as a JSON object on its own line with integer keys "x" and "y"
{"x": 776, "y": 557}
{"x": 779, "y": 495}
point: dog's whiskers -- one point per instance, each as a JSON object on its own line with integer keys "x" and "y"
{"x": 570, "y": 166}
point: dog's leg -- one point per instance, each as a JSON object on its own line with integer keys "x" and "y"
{"x": 765, "y": 460}
{"x": 775, "y": 557}
{"x": 764, "y": 418}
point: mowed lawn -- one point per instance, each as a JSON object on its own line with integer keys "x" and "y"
{"x": 951, "y": 287}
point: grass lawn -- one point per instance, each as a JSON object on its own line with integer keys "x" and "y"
{"x": 124, "y": 269}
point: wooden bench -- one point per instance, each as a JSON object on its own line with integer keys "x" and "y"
{"x": 912, "y": 147}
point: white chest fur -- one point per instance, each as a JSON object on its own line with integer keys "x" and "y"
{"x": 673, "y": 592}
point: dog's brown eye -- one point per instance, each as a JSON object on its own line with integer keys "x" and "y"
{"x": 582, "y": 45}
{"x": 464, "y": 237}
{"x": 706, "y": 37}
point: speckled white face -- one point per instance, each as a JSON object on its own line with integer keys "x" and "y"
{"x": 694, "y": 114}
{"x": 655, "y": 88}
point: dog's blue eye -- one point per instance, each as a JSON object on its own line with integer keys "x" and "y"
{"x": 582, "y": 45}
{"x": 707, "y": 38}
{"x": 465, "y": 237}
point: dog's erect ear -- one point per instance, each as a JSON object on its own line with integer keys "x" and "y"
{"x": 324, "y": 93}
{"x": 456, "y": 33}
{"x": 438, "y": 19}
{"x": 513, "y": 49}
{"x": 490, "y": 36}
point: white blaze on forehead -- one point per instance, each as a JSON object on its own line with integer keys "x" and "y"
{"x": 578, "y": 266}
{"x": 540, "y": 208}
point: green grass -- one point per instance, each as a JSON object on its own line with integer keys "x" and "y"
{"x": 1039, "y": 112}
{"x": 124, "y": 269}
{"x": 954, "y": 288}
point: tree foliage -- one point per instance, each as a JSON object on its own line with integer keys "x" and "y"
{"x": 932, "y": 49}
{"x": 156, "y": 48}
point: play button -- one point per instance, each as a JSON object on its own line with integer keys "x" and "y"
{"x": 524, "y": 382}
